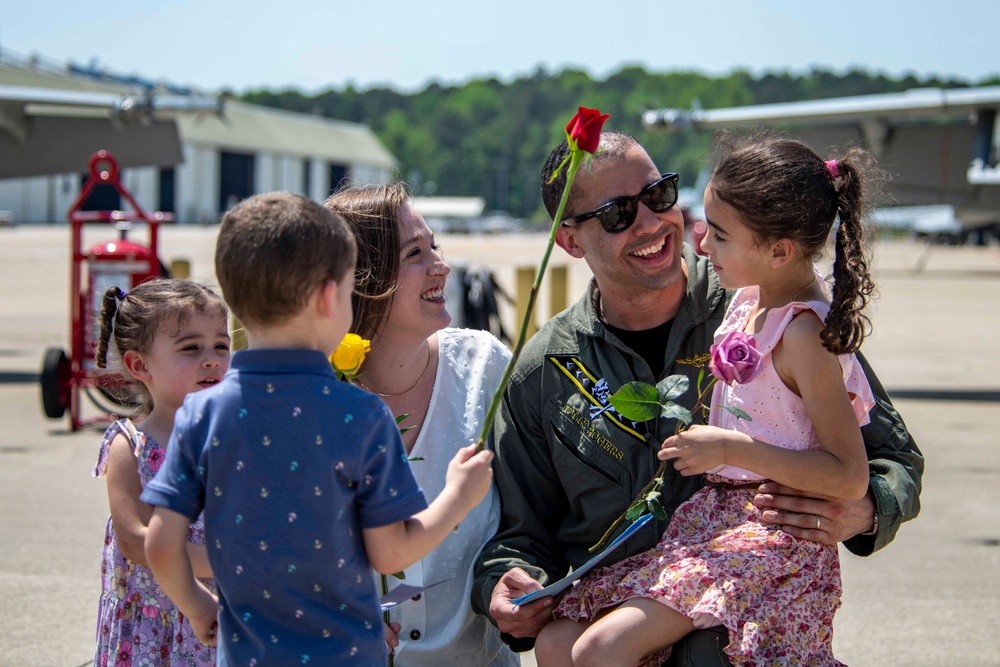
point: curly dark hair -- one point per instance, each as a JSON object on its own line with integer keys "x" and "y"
{"x": 784, "y": 189}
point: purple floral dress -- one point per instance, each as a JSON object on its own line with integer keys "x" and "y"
{"x": 137, "y": 624}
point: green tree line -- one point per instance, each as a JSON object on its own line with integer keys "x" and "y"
{"x": 490, "y": 139}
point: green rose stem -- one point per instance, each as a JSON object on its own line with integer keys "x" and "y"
{"x": 641, "y": 499}
{"x": 575, "y": 160}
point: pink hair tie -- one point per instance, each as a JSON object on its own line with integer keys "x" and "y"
{"x": 831, "y": 166}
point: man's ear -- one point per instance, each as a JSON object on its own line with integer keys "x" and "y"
{"x": 566, "y": 239}
{"x": 136, "y": 366}
{"x": 783, "y": 251}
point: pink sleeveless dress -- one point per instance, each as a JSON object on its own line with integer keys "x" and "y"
{"x": 775, "y": 594}
{"x": 137, "y": 624}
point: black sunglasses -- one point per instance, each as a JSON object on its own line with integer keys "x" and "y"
{"x": 619, "y": 214}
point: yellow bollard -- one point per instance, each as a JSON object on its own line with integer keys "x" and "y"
{"x": 237, "y": 334}
{"x": 525, "y": 279}
{"x": 180, "y": 268}
{"x": 558, "y": 277}
{"x": 558, "y": 290}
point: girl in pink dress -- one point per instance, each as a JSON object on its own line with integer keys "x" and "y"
{"x": 769, "y": 206}
{"x": 171, "y": 338}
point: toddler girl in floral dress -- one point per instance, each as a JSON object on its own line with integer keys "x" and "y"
{"x": 172, "y": 339}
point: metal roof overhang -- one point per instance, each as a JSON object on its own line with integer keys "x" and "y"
{"x": 246, "y": 128}
{"x": 59, "y": 145}
{"x": 47, "y": 130}
{"x": 56, "y": 130}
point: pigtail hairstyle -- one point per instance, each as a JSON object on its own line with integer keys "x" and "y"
{"x": 784, "y": 190}
{"x": 847, "y": 325}
{"x": 131, "y": 322}
{"x": 109, "y": 309}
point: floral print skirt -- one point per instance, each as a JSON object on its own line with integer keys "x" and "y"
{"x": 775, "y": 594}
{"x": 137, "y": 624}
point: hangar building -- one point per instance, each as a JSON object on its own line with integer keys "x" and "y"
{"x": 224, "y": 156}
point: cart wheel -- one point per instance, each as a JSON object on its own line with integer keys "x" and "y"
{"x": 55, "y": 383}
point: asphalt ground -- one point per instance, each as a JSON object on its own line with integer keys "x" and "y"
{"x": 932, "y": 597}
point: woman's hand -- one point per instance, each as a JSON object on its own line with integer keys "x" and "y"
{"x": 392, "y": 635}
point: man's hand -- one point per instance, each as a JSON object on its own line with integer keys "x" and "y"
{"x": 808, "y": 517}
{"x": 524, "y": 621}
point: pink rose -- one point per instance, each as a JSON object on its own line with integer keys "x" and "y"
{"x": 735, "y": 358}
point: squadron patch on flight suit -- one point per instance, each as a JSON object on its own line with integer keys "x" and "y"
{"x": 596, "y": 391}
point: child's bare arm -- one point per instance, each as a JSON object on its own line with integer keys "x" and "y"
{"x": 129, "y": 515}
{"x": 398, "y": 545}
{"x": 198, "y": 555}
{"x": 166, "y": 552}
{"x": 839, "y": 469}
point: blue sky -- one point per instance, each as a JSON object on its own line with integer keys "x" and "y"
{"x": 312, "y": 44}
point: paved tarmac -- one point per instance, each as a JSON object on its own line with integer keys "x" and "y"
{"x": 931, "y": 598}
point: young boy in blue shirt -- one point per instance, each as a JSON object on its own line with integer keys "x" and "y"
{"x": 302, "y": 478}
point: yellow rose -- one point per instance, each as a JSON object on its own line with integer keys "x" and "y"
{"x": 350, "y": 354}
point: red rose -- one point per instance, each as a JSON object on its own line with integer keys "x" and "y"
{"x": 584, "y": 129}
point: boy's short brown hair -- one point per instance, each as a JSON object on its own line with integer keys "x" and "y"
{"x": 274, "y": 249}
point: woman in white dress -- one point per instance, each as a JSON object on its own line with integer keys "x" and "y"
{"x": 443, "y": 378}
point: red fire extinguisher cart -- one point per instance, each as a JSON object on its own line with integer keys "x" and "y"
{"x": 119, "y": 262}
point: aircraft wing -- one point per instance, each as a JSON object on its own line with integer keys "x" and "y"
{"x": 912, "y": 105}
{"x": 940, "y": 146}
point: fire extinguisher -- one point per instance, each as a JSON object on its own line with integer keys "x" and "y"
{"x": 121, "y": 264}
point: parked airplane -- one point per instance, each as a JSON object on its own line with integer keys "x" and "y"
{"x": 941, "y": 146}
